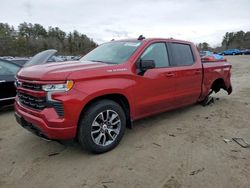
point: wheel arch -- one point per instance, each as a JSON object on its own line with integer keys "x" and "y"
{"x": 218, "y": 84}
{"x": 119, "y": 98}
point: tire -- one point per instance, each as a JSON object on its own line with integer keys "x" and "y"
{"x": 98, "y": 130}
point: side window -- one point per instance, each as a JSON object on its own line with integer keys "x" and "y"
{"x": 8, "y": 68}
{"x": 158, "y": 53}
{"x": 181, "y": 54}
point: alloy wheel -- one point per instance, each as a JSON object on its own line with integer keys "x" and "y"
{"x": 105, "y": 128}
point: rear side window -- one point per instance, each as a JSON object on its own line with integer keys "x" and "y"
{"x": 158, "y": 53}
{"x": 181, "y": 54}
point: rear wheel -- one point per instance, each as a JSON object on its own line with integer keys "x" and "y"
{"x": 102, "y": 126}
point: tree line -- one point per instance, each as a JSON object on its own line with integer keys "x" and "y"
{"x": 29, "y": 39}
{"x": 231, "y": 40}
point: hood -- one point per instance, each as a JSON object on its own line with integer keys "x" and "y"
{"x": 56, "y": 71}
{"x": 41, "y": 57}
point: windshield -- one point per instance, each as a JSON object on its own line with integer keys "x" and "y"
{"x": 112, "y": 52}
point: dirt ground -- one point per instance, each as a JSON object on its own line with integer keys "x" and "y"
{"x": 182, "y": 148}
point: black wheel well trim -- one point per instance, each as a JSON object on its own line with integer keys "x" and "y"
{"x": 218, "y": 84}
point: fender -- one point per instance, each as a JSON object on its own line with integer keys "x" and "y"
{"x": 100, "y": 90}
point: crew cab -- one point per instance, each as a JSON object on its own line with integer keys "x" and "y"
{"x": 94, "y": 99}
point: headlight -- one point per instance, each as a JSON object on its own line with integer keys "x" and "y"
{"x": 58, "y": 87}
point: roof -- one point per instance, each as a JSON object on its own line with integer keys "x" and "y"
{"x": 154, "y": 39}
{"x": 11, "y": 62}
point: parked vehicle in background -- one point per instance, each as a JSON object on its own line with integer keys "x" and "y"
{"x": 50, "y": 57}
{"x": 21, "y": 61}
{"x": 76, "y": 58}
{"x": 96, "y": 98}
{"x": 55, "y": 58}
{"x": 43, "y": 57}
{"x": 8, "y": 71}
{"x": 245, "y": 52}
{"x": 6, "y": 57}
{"x": 207, "y": 56}
{"x": 230, "y": 52}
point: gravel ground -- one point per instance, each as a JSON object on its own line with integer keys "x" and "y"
{"x": 182, "y": 148}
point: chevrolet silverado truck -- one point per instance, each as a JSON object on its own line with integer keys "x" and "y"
{"x": 94, "y": 99}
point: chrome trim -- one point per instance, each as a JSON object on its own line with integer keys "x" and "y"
{"x": 9, "y": 98}
{"x": 2, "y": 81}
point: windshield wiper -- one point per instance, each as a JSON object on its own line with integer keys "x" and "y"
{"x": 99, "y": 61}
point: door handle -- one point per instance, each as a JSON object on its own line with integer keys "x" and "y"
{"x": 169, "y": 74}
{"x": 2, "y": 81}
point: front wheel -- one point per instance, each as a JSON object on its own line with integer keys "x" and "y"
{"x": 102, "y": 126}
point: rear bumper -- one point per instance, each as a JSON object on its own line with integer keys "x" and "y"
{"x": 43, "y": 124}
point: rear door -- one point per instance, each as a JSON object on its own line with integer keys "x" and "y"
{"x": 7, "y": 78}
{"x": 155, "y": 89}
{"x": 188, "y": 73}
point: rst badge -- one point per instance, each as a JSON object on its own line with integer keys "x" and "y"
{"x": 117, "y": 70}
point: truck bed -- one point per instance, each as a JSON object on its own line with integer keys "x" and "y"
{"x": 217, "y": 75}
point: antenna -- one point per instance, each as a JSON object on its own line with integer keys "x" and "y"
{"x": 141, "y": 37}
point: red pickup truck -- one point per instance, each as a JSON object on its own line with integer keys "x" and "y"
{"x": 96, "y": 98}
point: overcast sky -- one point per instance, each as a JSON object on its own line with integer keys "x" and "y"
{"x": 103, "y": 20}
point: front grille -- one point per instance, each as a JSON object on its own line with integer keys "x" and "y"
{"x": 38, "y": 103}
{"x": 31, "y": 101}
{"x": 31, "y": 86}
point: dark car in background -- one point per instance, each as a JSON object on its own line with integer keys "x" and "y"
{"x": 230, "y": 52}
{"x": 245, "y": 52}
{"x": 19, "y": 60}
{"x": 9, "y": 67}
{"x": 8, "y": 70}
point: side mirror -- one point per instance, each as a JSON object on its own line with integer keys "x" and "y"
{"x": 144, "y": 65}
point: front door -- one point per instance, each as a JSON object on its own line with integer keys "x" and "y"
{"x": 155, "y": 89}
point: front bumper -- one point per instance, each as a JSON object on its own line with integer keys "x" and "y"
{"x": 45, "y": 124}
